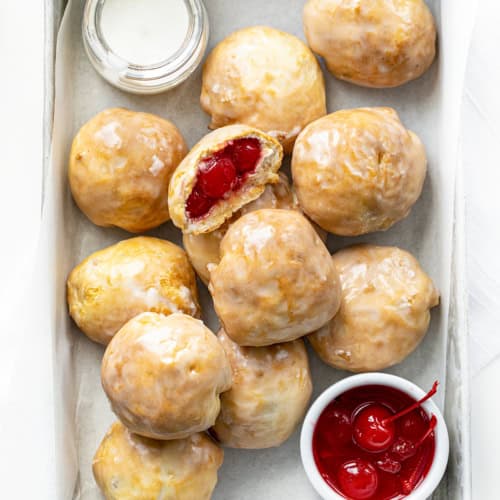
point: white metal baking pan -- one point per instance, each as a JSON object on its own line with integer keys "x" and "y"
{"x": 433, "y": 232}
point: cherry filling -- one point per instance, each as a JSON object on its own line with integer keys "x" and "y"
{"x": 374, "y": 442}
{"x": 221, "y": 173}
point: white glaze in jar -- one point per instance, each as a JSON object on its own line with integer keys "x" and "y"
{"x": 145, "y": 32}
{"x": 145, "y": 49}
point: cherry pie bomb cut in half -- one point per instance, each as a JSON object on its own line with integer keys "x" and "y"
{"x": 227, "y": 169}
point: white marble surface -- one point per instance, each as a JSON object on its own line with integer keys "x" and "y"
{"x": 481, "y": 149}
{"x": 21, "y": 113}
{"x": 21, "y": 51}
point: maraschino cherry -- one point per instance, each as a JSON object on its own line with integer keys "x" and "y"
{"x": 373, "y": 427}
{"x": 366, "y": 449}
{"x": 358, "y": 479}
{"x": 372, "y": 431}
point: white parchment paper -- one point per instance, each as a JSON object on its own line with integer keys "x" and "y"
{"x": 428, "y": 106}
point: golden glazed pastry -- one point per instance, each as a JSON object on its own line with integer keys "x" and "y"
{"x": 275, "y": 281}
{"x": 384, "y": 312}
{"x": 374, "y": 43}
{"x": 163, "y": 375}
{"x": 115, "y": 284}
{"x": 271, "y": 388}
{"x": 265, "y": 78}
{"x": 120, "y": 165}
{"x": 358, "y": 170}
{"x": 203, "y": 249}
{"x": 227, "y": 169}
{"x": 131, "y": 467}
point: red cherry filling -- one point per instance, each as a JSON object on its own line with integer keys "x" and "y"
{"x": 198, "y": 204}
{"x": 217, "y": 177}
{"x": 221, "y": 173}
{"x": 358, "y": 479}
{"x": 370, "y": 431}
{"x": 246, "y": 153}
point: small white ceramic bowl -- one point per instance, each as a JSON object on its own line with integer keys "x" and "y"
{"x": 433, "y": 477}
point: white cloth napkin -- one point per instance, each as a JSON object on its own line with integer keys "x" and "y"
{"x": 481, "y": 154}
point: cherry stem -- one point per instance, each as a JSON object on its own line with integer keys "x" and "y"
{"x": 410, "y": 483}
{"x": 415, "y": 405}
{"x": 428, "y": 432}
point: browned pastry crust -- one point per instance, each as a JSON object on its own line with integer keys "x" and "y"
{"x": 136, "y": 275}
{"x": 356, "y": 171}
{"x": 373, "y": 43}
{"x": 163, "y": 375}
{"x": 131, "y": 467}
{"x": 275, "y": 280}
{"x": 384, "y": 312}
{"x": 265, "y": 78}
{"x": 269, "y": 396}
{"x": 120, "y": 165}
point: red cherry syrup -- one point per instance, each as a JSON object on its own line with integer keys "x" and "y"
{"x": 374, "y": 442}
{"x": 221, "y": 173}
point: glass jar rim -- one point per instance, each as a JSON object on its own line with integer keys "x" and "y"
{"x": 148, "y": 78}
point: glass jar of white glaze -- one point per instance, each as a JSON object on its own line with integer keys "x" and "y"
{"x": 145, "y": 47}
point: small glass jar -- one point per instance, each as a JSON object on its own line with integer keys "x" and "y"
{"x": 148, "y": 77}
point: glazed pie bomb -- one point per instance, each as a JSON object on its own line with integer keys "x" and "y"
{"x": 163, "y": 375}
{"x": 275, "y": 281}
{"x": 384, "y": 312}
{"x": 115, "y": 284}
{"x": 265, "y": 78}
{"x": 373, "y": 43}
{"x": 130, "y": 467}
{"x": 203, "y": 249}
{"x": 357, "y": 171}
{"x": 227, "y": 169}
{"x": 269, "y": 396}
{"x": 120, "y": 166}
